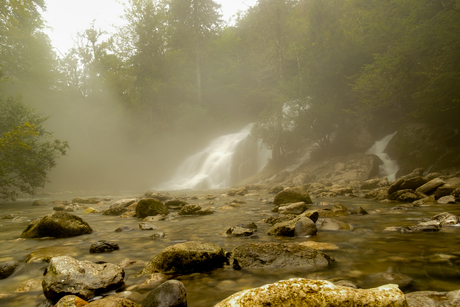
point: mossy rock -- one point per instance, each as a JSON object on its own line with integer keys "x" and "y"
{"x": 58, "y": 224}
{"x": 292, "y": 195}
{"x": 150, "y": 207}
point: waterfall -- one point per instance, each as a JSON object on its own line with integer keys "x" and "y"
{"x": 227, "y": 160}
{"x": 389, "y": 167}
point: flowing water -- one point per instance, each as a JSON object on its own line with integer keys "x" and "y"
{"x": 227, "y": 160}
{"x": 389, "y": 168}
{"x": 432, "y": 260}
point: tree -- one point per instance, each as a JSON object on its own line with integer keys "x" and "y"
{"x": 26, "y": 151}
{"x": 192, "y": 23}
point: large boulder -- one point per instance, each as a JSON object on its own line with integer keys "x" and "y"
{"x": 150, "y": 207}
{"x": 171, "y": 293}
{"x": 292, "y": 195}
{"x": 430, "y": 186}
{"x": 278, "y": 255}
{"x": 411, "y": 183}
{"x": 287, "y": 228}
{"x": 58, "y": 224}
{"x": 119, "y": 207}
{"x": 67, "y": 276}
{"x": 304, "y": 292}
{"x": 187, "y": 257}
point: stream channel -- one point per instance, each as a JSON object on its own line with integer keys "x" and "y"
{"x": 431, "y": 259}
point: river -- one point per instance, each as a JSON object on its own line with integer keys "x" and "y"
{"x": 430, "y": 259}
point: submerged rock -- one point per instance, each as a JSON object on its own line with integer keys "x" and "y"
{"x": 171, "y": 293}
{"x": 103, "y": 246}
{"x": 7, "y": 268}
{"x": 85, "y": 279}
{"x": 304, "y": 292}
{"x": 295, "y": 208}
{"x": 185, "y": 258}
{"x": 58, "y": 224}
{"x": 278, "y": 255}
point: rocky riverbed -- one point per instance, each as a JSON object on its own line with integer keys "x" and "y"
{"x": 334, "y": 238}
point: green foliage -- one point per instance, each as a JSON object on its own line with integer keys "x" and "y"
{"x": 26, "y": 151}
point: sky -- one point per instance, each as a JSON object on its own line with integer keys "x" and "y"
{"x": 67, "y": 17}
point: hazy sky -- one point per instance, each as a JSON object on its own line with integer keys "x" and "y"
{"x": 67, "y": 17}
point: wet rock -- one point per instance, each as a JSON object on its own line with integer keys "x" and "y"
{"x": 45, "y": 254}
{"x": 194, "y": 209}
{"x": 89, "y": 201}
{"x": 119, "y": 207}
{"x": 239, "y": 191}
{"x": 58, "y": 225}
{"x": 418, "y": 228}
{"x": 9, "y": 217}
{"x": 39, "y": 203}
{"x": 378, "y": 194}
{"x": 295, "y": 208}
{"x": 287, "y": 228}
{"x": 112, "y": 301}
{"x": 442, "y": 219}
{"x": 124, "y": 228}
{"x": 128, "y": 215}
{"x": 30, "y": 285}
{"x": 91, "y": 210}
{"x": 188, "y": 257}
{"x": 238, "y": 232}
{"x": 430, "y": 186}
{"x": 305, "y": 227}
{"x": 175, "y": 203}
{"x": 71, "y": 301}
{"x": 450, "y": 199}
{"x": 315, "y": 293}
{"x": 380, "y": 279}
{"x": 359, "y": 211}
{"x": 406, "y": 196}
{"x": 150, "y": 207}
{"x": 334, "y": 225}
{"x": 7, "y": 268}
{"x": 456, "y": 194}
{"x": 425, "y": 201}
{"x": 147, "y": 226}
{"x": 158, "y": 235}
{"x": 19, "y": 219}
{"x": 320, "y": 245}
{"x": 433, "y": 299}
{"x": 103, "y": 246}
{"x": 275, "y": 189}
{"x": 153, "y": 281}
{"x": 375, "y": 183}
{"x": 85, "y": 279}
{"x": 443, "y": 190}
{"x": 278, "y": 255}
{"x": 280, "y": 219}
{"x": 292, "y": 195}
{"x": 171, "y": 293}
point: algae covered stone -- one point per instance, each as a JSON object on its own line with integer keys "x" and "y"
{"x": 150, "y": 207}
{"x": 292, "y": 195}
{"x": 304, "y": 292}
{"x": 59, "y": 224}
{"x": 187, "y": 257}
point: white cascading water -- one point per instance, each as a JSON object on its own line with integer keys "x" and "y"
{"x": 389, "y": 167}
{"x": 228, "y": 159}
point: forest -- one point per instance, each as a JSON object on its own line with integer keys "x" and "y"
{"x": 175, "y": 75}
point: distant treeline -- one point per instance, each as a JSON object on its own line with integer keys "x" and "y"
{"x": 305, "y": 70}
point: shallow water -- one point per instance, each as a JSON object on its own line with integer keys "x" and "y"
{"x": 431, "y": 259}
